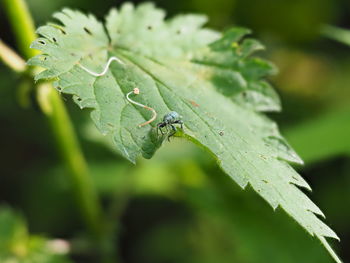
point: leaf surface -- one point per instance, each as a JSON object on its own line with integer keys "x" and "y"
{"x": 209, "y": 78}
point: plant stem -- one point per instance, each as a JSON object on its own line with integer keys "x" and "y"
{"x": 11, "y": 59}
{"x": 22, "y": 25}
{"x": 62, "y": 128}
{"x": 51, "y": 104}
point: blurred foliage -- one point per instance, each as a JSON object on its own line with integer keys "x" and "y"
{"x": 313, "y": 141}
{"x": 339, "y": 34}
{"x": 293, "y": 21}
{"x": 16, "y": 245}
{"x": 179, "y": 207}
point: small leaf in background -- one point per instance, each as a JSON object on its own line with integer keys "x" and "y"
{"x": 336, "y": 33}
{"x": 209, "y": 78}
{"x": 18, "y": 246}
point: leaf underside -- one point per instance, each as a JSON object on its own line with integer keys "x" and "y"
{"x": 209, "y": 78}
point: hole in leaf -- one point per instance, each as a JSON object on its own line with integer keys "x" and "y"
{"x": 54, "y": 39}
{"x": 42, "y": 42}
{"x": 63, "y": 32}
{"x": 263, "y": 157}
{"x": 42, "y": 57}
{"x": 149, "y": 27}
{"x": 87, "y": 31}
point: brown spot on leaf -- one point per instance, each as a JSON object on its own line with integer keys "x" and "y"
{"x": 194, "y": 103}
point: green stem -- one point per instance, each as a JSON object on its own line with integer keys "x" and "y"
{"x": 22, "y": 25}
{"x": 51, "y": 104}
{"x": 53, "y": 107}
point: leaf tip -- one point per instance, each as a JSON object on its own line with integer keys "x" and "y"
{"x": 330, "y": 249}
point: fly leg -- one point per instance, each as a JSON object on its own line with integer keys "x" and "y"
{"x": 160, "y": 127}
{"x": 180, "y": 122}
{"x": 173, "y": 131}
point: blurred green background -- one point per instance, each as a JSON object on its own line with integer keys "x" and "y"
{"x": 179, "y": 206}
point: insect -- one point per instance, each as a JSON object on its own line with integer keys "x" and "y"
{"x": 169, "y": 120}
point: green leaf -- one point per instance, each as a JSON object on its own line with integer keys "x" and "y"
{"x": 331, "y": 128}
{"x": 207, "y": 77}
